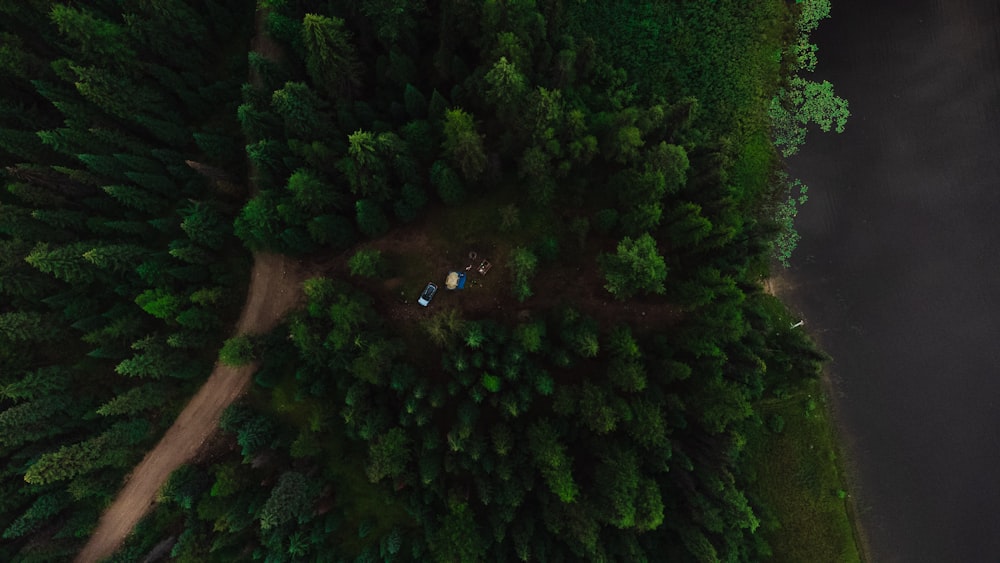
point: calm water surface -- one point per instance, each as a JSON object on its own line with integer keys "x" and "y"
{"x": 898, "y": 272}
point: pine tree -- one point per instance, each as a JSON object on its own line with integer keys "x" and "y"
{"x": 449, "y": 185}
{"x": 457, "y": 537}
{"x": 84, "y": 457}
{"x": 65, "y": 262}
{"x": 365, "y": 263}
{"x": 551, "y": 459}
{"x": 371, "y": 221}
{"x": 330, "y": 56}
{"x": 154, "y": 183}
{"x": 411, "y": 201}
{"x": 366, "y": 167}
{"x": 312, "y": 194}
{"x": 32, "y": 420}
{"x": 28, "y": 326}
{"x": 463, "y": 144}
{"x": 119, "y": 258}
{"x": 160, "y": 303}
{"x": 136, "y": 198}
{"x": 506, "y": 85}
{"x": 43, "y": 509}
{"x": 415, "y": 102}
{"x": 336, "y": 231}
{"x": 648, "y": 506}
{"x": 257, "y": 225}
{"x": 98, "y": 39}
{"x": 388, "y": 455}
{"x": 637, "y": 266}
{"x": 302, "y": 110}
{"x": 122, "y": 97}
{"x": 204, "y": 224}
{"x": 137, "y": 399}
{"x": 63, "y": 219}
{"x": 186, "y": 251}
{"x": 37, "y": 384}
{"x": 105, "y": 166}
{"x": 617, "y": 482}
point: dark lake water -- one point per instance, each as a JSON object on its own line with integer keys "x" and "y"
{"x": 898, "y": 272}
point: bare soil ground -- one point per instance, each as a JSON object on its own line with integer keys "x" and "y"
{"x": 275, "y": 288}
{"x": 579, "y": 285}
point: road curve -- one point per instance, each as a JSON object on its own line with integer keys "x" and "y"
{"x": 275, "y": 288}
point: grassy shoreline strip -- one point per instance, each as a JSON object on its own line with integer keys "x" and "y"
{"x": 799, "y": 479}
{"x": 846, "y": 469}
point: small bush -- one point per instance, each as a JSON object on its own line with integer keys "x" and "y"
{"x": 238, "y": 351}
{"x": 776, "y": 423}
{"x": 605, "y": 220}
{"x": 366, "y": 263}
{"x": 523, "y": 262}
{"x": 547, "y": 248}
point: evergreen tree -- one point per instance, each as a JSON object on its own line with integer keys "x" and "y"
{"x": 301, "y": 109}
{"x": 330, "y": 55}
{"x": 97, "y": 39}
{"x": 388, "y": 455}
{"x": 65, "y": 263}
{"x": 553, "y": 462}
{"x": 137, "y": 399}
{"x": 84, "y": 457}
{"x": 463, "y": 144}
{"x": 290, "y": 500}
{"x": 116, "y": 257}
{"x": 637, "y": 266}
{"x": 371, "y": 221}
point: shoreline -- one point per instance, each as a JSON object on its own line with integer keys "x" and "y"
{"x": 780, "y": 286}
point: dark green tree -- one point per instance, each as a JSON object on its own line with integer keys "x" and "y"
{"x": 388, "y": 455}
{"x": 371, "y": 220}
{"x": 330, "y": 55}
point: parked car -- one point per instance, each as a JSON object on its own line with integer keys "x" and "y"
{"x": 428, "y": 294}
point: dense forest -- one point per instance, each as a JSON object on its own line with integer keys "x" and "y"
{"x": 588, "y": 398}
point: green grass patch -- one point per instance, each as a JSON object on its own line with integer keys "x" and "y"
{"x": 798, "y": 480}
{"x": 756, "y": 160}
{"x": 724, "y": 53}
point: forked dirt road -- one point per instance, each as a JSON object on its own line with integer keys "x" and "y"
{"x": 275, "y": 288}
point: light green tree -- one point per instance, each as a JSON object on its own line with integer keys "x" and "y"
{"x": 805, "y": 102}
{"x": 810, "y": 13}
{"x": 238, "y": 351}
{"x": 636, "y": 267}
{"x": 463, "y": 144}
{"x": 366, "y": 263}
{"x": 551, "y": 459}
{"x": 505, "y": 84}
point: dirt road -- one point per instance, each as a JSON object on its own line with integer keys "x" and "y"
{"x": 275, "y": 287}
